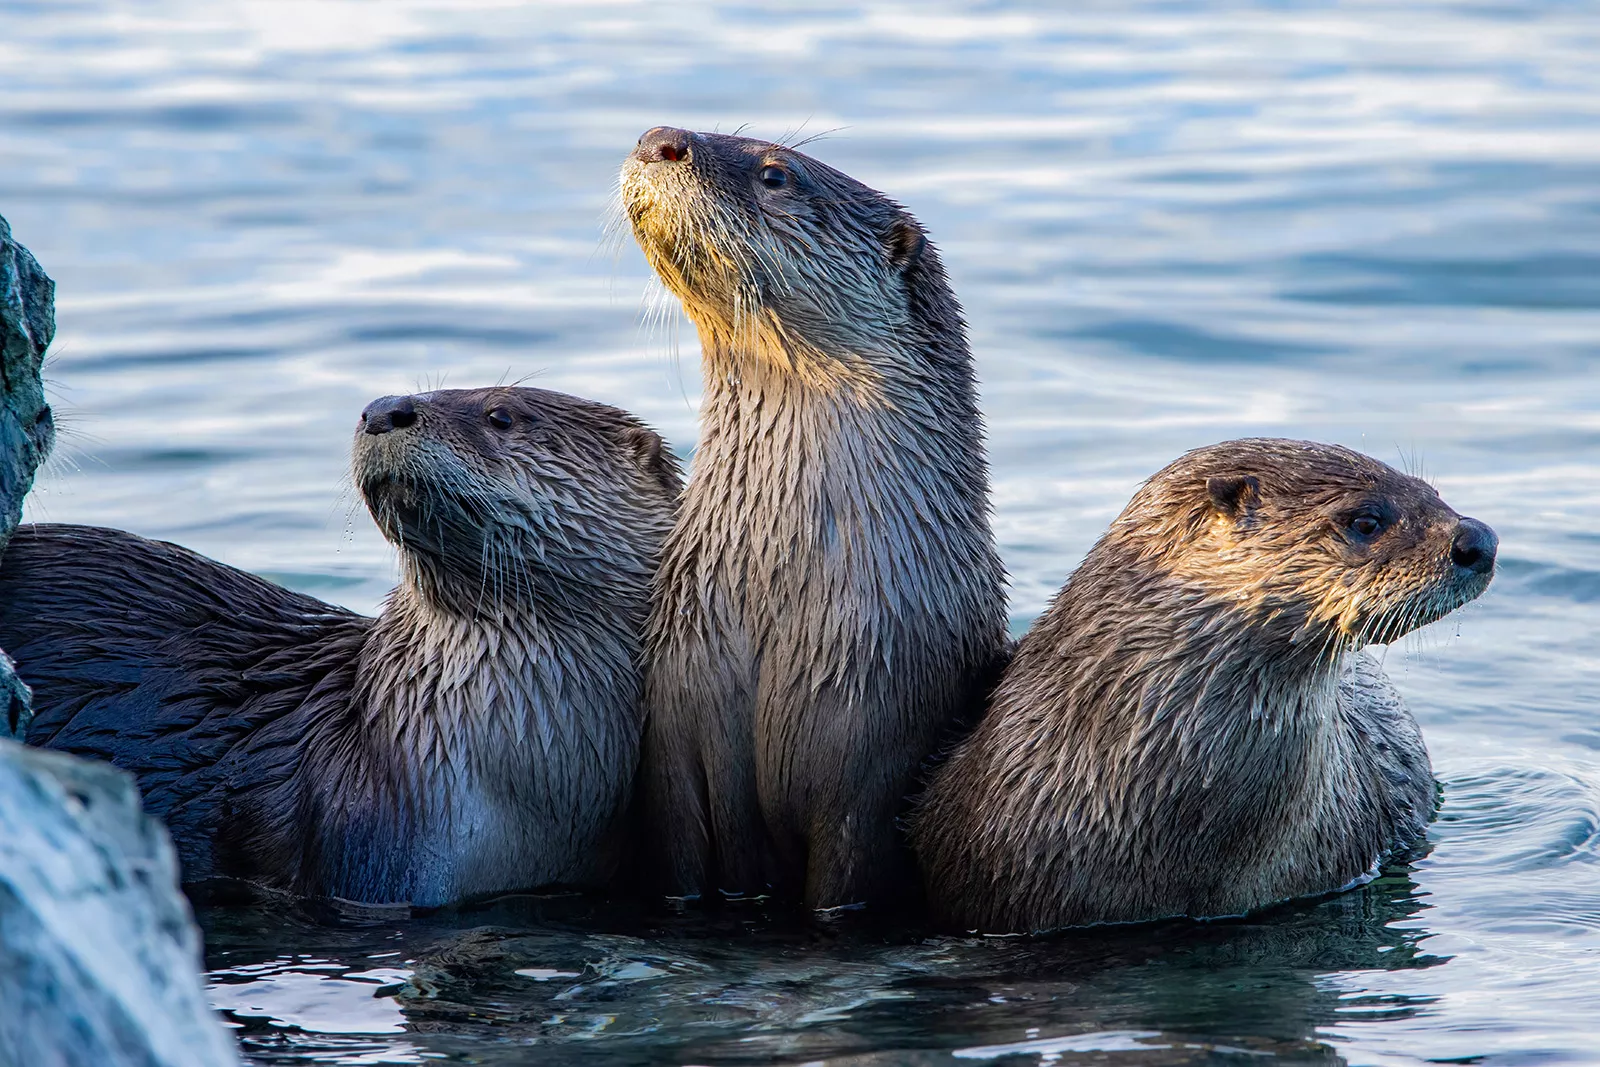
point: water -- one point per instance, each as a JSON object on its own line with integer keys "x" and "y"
{"x": 1169, "y": 223}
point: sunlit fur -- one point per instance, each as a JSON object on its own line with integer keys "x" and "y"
{"x": 830, "y": 598}
{"x": 480, "y": 735}
{"x": 1191, "y": 728}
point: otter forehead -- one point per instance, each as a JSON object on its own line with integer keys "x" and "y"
{"x": 1291, "y": 472}
{"x": 513, "y": 437}
{"x": 474, "y": 405}
{"x": 494, "y": 422}
{"x": 736, "y": 165}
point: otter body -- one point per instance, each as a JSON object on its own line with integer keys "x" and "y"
{"x": 479, "y": 736}
{"x": 1191, "y": 728}
{"x": 830, "y": 598}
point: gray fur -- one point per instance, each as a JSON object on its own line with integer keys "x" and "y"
{"x": 1191, "y": 728}
{"x": 479, "y": 736}
{"x": 830, "y": 599}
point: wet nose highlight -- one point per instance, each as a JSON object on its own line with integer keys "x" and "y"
{"x": 388, "y": 413}
{"x": 1474, "y": 547}
{"x": 664, "y": 144}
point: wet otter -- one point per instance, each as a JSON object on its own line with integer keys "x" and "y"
{"x": 830, "y": 598}
{"x": 1191, "y": 728}
{"x": 480, "y": 735}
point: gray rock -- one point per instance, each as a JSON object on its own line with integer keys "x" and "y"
{"x": 27, "y": 323}
{"x": 15, "y": 709}
{"x": 99, "y": 955}
{"x": 27, "y": 429}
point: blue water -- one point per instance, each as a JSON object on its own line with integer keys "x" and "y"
{"x": 1170, "y": 223}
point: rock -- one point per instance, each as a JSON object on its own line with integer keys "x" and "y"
{"x": 27, "y": 323}
{"x": 15, "y": 709}
{"x": 27, "y": 429}
{"x": 99, "y": 953}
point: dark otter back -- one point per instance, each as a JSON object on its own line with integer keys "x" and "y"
{"x": 198, "y": 678}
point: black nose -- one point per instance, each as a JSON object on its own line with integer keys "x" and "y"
{"x": 388, "y": 413}
{"x": 1474, "y": 547}
{"x": 664, "y": 144}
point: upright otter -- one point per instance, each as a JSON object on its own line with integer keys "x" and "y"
{"x": 1191, "y": 728}
{"x": 480, "y": 735}
{"x": 830, "y": 598}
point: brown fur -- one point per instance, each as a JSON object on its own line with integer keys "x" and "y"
{"x": 479, "y": 736}
{"x": 1191, "y": 729}
{"x": 830, "y": 598}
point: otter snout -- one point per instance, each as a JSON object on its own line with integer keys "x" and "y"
{"x": 664, "y": 144}
{"x": 389, "y": 413}
{"x": 1473, "y": 547}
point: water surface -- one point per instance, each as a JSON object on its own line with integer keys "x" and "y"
{"x": 1170, "y": 223}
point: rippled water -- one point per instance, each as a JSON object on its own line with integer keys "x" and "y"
{"x": 1170, "y": 224}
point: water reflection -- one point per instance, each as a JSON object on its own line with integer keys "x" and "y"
{"x": 584, "y": 981}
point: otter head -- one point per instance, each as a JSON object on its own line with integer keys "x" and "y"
{"x": 768, "y": 248}
{"x": 1318, "y": 545}
{"x": 508, "y": 498}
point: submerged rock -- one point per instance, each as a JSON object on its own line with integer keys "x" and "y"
{"x": 99, "y": 955}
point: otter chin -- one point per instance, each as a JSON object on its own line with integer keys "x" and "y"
{"x": 1192, "y": 728}
{"x": 479, "y": 736}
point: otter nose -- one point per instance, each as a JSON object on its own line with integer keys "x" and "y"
{"x": 664, "y": 144}
{"x": 388, "y": 413}
{"x": 1474, "y": 547}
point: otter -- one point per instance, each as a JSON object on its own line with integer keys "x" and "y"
{"x": 479, "y": 736}
{"x": 1191, "y": 729}
{"x": 830, "y": 600}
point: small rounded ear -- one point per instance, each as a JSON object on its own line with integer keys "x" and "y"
{"x": 1234, "y": 495}
{"x": 906, "y": 242}
{"x": 652, "y": 453}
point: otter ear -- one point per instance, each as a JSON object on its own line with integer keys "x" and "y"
{"x": 906, "y": 243}
{"x": 652, "y": 453}
{"x": 1234, "y": 495}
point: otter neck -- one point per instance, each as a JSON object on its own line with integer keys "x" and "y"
{"x": 1238, "y": 700}
{"x": 809, "y": 464}
{"x": 462, "y": 701}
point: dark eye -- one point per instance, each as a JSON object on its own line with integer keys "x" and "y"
{"x": 499, "y": 418}
{"x": 1366, "y": 525}
{"x": 773, "y": 177}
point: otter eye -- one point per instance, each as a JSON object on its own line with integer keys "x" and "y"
{"x": 773, "y": 177}
{"x": 499, "y": 418}
{"x": 1366, "y": 525}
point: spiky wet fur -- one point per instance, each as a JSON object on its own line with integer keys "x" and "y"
{"x": 479, "y": 736}
{"x": 1191, "y": 728}
{"x": 830, "y": 599}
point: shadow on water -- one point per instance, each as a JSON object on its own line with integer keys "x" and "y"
{"x": 581, "y": 982}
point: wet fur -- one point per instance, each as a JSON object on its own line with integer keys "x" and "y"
{"x": 1191, "y": 728}
{"x": 830, "y": 599}
{"x": 478, "y": 736}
